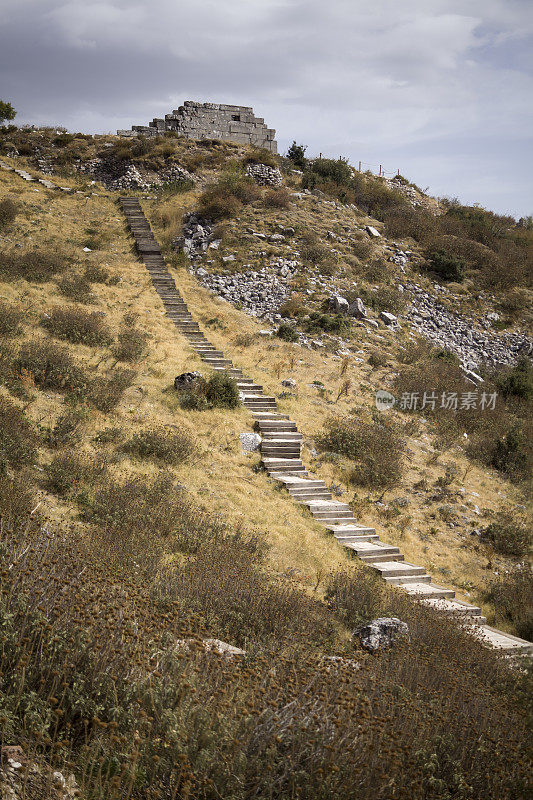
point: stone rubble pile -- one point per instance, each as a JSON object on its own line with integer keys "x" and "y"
{"x": 264, "y": 175}
{"x": 197, "y": 236}
{"x": 118, "y": 175}
{"x": 257, "y": 292}
{"x": 444, "y": 329}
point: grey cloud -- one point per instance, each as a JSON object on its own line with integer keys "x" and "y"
{"x": 414, "y": 85}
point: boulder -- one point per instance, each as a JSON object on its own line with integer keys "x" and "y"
{"x": 373, "y": 232}
{"x": 339, "y": 304}
{"x": 357, "y": 309}
{"x": 288, "y": 382}
{"x": 388, "y": 318}
{"x": 249, "y": 442}
{"x": 186, "y": 380}
{"x": 381, "y": 633}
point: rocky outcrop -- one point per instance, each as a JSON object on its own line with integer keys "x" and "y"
{"x": 196, "y": 238}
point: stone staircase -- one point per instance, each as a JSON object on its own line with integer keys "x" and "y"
{"x": 27, "y": 177}
{"x": 281, "y": 457}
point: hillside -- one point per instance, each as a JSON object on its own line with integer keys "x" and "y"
{"x": 132, "y": 522}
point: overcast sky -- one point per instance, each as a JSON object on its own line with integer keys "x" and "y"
{"x": 441, "y": 89}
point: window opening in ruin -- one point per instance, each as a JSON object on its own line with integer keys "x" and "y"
{"x": 236, "y": 117}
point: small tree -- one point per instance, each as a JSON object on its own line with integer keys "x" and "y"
{"x": 7, "y": 112}
{"x": 296, "y": 153}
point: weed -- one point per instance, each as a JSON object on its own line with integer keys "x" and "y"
{"x": 76, "y": 287}
{"x": 105, "y": 392}
{"x": 287, "y": 332}
{"x": 131, "y": 344}
{"x": 162, "y": 444}
{"x": 18, "y": 439}
{"x": 508, "y": 535}
{"x": 77, "y": 326}
{"x": 11, "y": 317}
{"x": 8, "y": 212}
{"x": 222, "y": 391}
{"x": 37, "y": 266}
{"x": 446, "y": 266}
{"x": 96, "y": 274}
{"x": 277, "y": 198}
{"x": 512, "y": 595}
{"x": 376, "y": 449}
{"x": 69, "y": 470}
{"x": 51, "y": 367}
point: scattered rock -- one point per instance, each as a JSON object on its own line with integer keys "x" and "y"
{"x": 389, "y": 319}
{"x": 339, "y": 304}
{"x": 288, "y": 382}
{"x": 211, "y": 646}
{"x": 357, "y": 309}
{"x": 381, "y": 633}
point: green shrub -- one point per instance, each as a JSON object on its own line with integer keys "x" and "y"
{"x": 261, "y": 156}
{"x": 105, "y": 392}
{"x": 69, "y": 470}
{"x": 446, "y": 266}
{"x": 287, "y": 332}
{"x": 225, "y": 198}
{"x": 222, "y": 391}
{"x": 377, "y": 358}
{"x": 296, "y": 154}
{"x": 512, "y": 596}
{"x": 8, "y": 212}
{"x": 193, "y": 400}
{"x": 162, "y": 444}
{"x": 37, "y": 266}
{"x": 131, "y": 344}
{"x": 355, "y": 596}
{"x": 77, "y": 288}
{"x": 277, "y": 198}
{"x": 329, "y": 323}
{"x": 77, "y": 326}
{"x": 96, "y": 274}
{"x": 50, "y": 367}
{"x": 328, "y": 169}
{"x": 508, "y": 535}
{"x": 313, "y": 251}
{"x": 139, "y": 507}
{"x": 512, "y": 453}
{"x": 11, "y": 318}
{"x": 18, "y": 439}
{"x": 517, "y": 381}
{"x": 376, "y": 449}
{"x": 68, "y": 428}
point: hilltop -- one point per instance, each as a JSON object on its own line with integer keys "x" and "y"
{"x": 133, "y": 522}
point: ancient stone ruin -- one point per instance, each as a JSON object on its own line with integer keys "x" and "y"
{"x": 211, "y": 121}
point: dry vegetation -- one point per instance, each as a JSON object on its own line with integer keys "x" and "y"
{"x": 129, "y": 523}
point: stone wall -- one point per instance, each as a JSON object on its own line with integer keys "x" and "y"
{"x": 211, "y": 121}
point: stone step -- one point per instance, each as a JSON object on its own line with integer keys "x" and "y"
{"x": 362, "y": 537}
{"x": 502, "y": 641}
{"x": 277, "y": 471}
{"x": 354, "y": 528}
{"x": 455, "y": 608}
{"x": 401, "y": 580}
{"x": 428, "y": 591}
{"x": 405, "y": 570}
{"x": 289, "y": 436}
{"x": 311, "y": 495}
{"x": 270, "y": 416}
{"x": 297, "y": 483}
{"x": 252, "y": 387}
{"x": 275, "y": 425}
{"x": 271, "y": 462}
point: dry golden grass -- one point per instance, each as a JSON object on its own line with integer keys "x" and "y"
{"x": 222, "y": 479}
